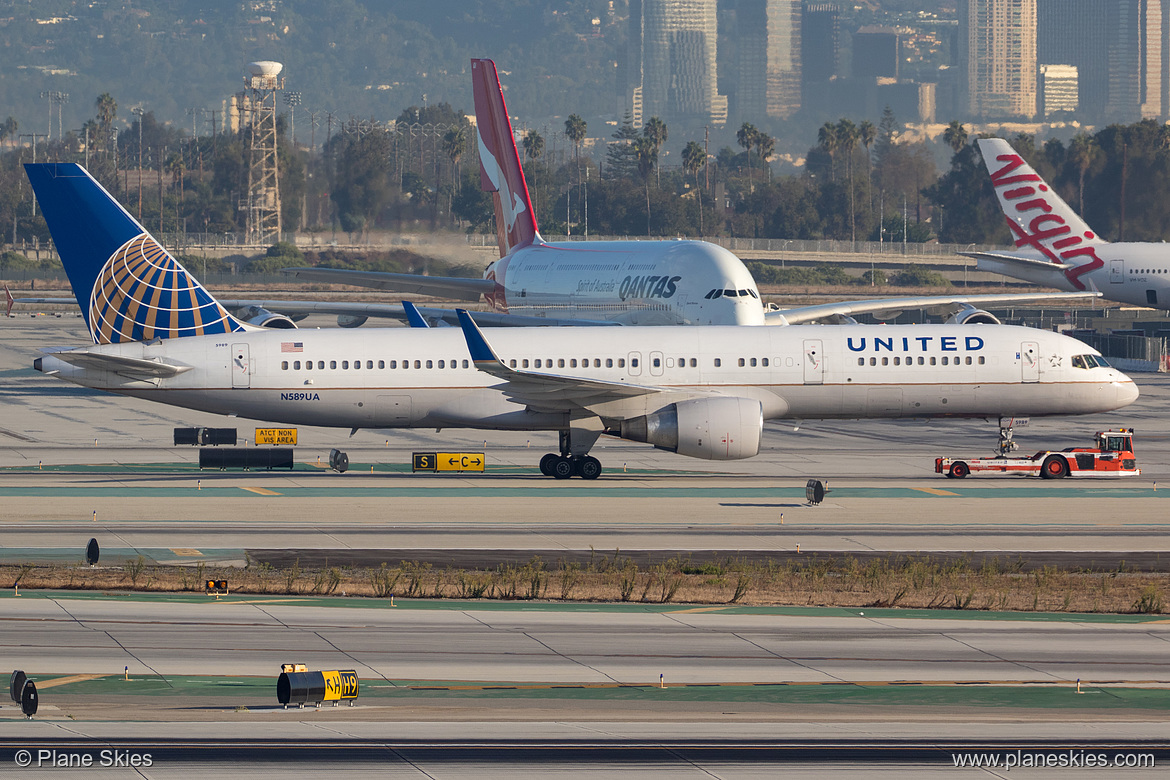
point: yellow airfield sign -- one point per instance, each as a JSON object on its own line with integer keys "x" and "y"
{"x": 448, "y": 461}
{"x": 284, "y": 436}
{"x": 340, "y": 685}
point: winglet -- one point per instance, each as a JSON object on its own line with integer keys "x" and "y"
{"x": 413, "y": 316}
{"x": 481, "y": 353}
{"x": 8, "y": 301}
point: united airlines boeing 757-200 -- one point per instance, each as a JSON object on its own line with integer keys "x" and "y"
{"x": 700, "y": 391}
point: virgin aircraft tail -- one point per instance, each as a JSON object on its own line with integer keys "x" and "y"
{"x": 1044, "y": 226}
{"x": 128, "y": 287}
{"x": 499, "y": 162}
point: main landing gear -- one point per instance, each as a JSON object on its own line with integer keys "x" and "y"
{"x": 566, "y": 466}
{"x": 574, "y": 459}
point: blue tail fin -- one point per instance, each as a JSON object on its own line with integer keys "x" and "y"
{"x": 128, "y": 287}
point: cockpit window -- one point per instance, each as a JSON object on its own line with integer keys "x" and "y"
{"x": 1100, "y": 361}
{"x": 753, "y": 293}
{"x": 713, "y": 294}
{"x": 1078, "y": 361}
{"x": 743, "y": 293}
{"x": 730, "y": 293}
{"x": 1089, "y": 361}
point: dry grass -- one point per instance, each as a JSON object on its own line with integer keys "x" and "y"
{"x": 907, "y": 582}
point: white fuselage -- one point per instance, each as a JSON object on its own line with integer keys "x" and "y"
{"x": 1134, "y": 273}
{"x": 424, "y": 377}
{"x": 632, "y": 282}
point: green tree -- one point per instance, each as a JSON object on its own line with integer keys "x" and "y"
{"x": 746, "y": 137}
{"x": 694, "y": 158}
{"x": 1082, "y": 151}
{"x": 621, "y": 159}
{"x": 955, "y": 135}
{"x": 655, "y": 129}
{"x": 575, "y": 129}
{"x": 647, "y": 154}
{"x": 830, "y": 142}
{"x": 454, "y": 147}
{"x": 361, "y": 188}
{"x": 847, "y": 137}
{"x": 8, "y": 128}
{"x": 533, "y": 145}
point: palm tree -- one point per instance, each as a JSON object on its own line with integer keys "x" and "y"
{"x": 107, "y": 111}
{"x": 1082, "y": 151}
{"x": 847, "y": 137}
{"x": 647, "y": 154}
{"x": 955, "y": 135}
{"x": 867, "y": 134}
{"x": 176, "y": 166}
{"x": 694, "y": 158}
{"x": 534, "y": 148}
{"x": 827, "y": 139}
{"x": 575, "y": 128}
{"x": 655, "y": 129}
{"x": 746, "y": 137}
{"x": 454, "y": 145}
{"x": 765, "y": 148}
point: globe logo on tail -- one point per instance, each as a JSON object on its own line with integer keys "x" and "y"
{"x": 143, "y": 293}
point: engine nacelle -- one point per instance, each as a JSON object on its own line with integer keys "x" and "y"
{"x": 707, "y": 428}
{"x": 351, "y": 320}
{"x": 969, "y": 315}
{"x": 261, "y": 317}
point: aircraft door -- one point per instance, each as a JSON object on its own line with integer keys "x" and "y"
{"x": 1116, "y": 271}
{"x": 656, "y": 363}
{"x": 1030, "y": 361}
{"x": 636, "y": 363}
{"x": 241, "y": 366}
{"x": 814, "y": 362}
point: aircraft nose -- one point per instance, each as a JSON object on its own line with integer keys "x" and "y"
{"x": 1127, "y": 392}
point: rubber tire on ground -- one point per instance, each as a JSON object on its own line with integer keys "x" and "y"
{"x": 1054, "y": 467}
{"x": 589, "y": 467}
{"x": 546, "y": 464}
{"x": 563, "y": 467}
{"x": 959, "y": 470}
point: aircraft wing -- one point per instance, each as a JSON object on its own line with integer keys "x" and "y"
{"x": 1031, "y": 262}
{"x": 120, "y": 364}
{"x": 543, "y": 391}
{"x": 444, "y": 286}
{"x": 490, "y": 319}
{"x": 954, "y": 303}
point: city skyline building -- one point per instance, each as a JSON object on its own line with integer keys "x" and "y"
{"x": 1136, "y": 54}
{"x": 820, "y": 50}
{"x": 672, "y": 69}
{"x": 1070, "y": 32}
{"x": 769, "y": 59}
{"x": 876, "y": 52}
{"x": 1059, "y": 89}
{"x": 997, "y": 57}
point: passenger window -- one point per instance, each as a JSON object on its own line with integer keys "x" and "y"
{"x": 442, "y": 364}
{"x": 597, "y": 362}
{"x": 573, "y": 363}
{"x": 694, "y": 362}
{"x": 609, "y": 362}
{"x": 381, "y": 364}
{"x": 296, "y": 365}
{"x": 406, "y": 364}
{"x": 741, "y": 363}
{"x": 393, "y": 364}
{"x": 621, "y": 362}
{"x": 560, "y": 362}
{"x": 333, "y": 364}
{"x": 885, "y": 361}
{"x": 718, "y": 362}
{"x": 968, "y": 361}
{"x": 345, "y": 364}
{"x": 511, "y": 363}
{"x": 357, "y": 364}
{"x": 944, "y": 360}
{"x": 430, "y": 364}
{"x": 465, "y": 363}
{"x": 921, "y": 361}
{"x": 633, "y": 362}
{"x": 873, "y": 361}
{"x": 658, "y": 362}
{"x": 369, "y": 364}
{"x": 537, "y": 364}
{"x": 932, "y": 361}
{"x": 897, "y": 361}
{"x": 418, "y": 364}
{"x": 764, "y": 362}
{"x": 753, "y": 362}
{"x": 861, "y": 361}
{"x": 308, "y": 365}
{"x": 524, "y": 363}
{"x": 982, "y": 360}
{"x": 284, "y": 365}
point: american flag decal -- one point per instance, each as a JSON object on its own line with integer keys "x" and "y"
{"x": 292, "y": 346}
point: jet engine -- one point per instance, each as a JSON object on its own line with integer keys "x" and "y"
{"x": 969, "y": 315}
{"x": 351, "y": 320}
{"x": 259, "y": 316}
{"x": 707, "y": 428}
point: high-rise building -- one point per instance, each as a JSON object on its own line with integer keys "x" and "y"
{"x": 1071, "y": 32}
{"x": 769, "y": 61}
{"x": 997, "y": 53}
{"x": 820, "y": 48}
{"x": 1059, "y": 89}
{"x": 671, "y": 58}
{"x": 877, "y": 51}
{"x": 1136, "y": 52}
